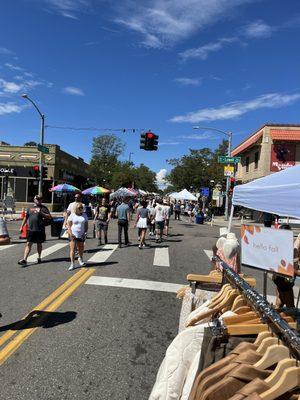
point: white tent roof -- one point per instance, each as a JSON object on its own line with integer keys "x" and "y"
{"x": 278, "y": 193}
{"x": 183, "y": 195}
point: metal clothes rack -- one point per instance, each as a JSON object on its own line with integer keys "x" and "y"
{"x": 264, "y": 310}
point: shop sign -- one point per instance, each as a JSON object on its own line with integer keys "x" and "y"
{"x": 7, "y": 171}
{"x": 268, "y": 249}
{"x": 229, "y": 171}
{"x": 282, "y": 156}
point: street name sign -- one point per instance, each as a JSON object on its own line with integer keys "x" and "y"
{"x": 43, "y": 149}
{"x": 229, "y": 160}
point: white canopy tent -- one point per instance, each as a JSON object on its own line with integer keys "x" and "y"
{"x": 183, "y": 195}
{"x": 278, "y": 193}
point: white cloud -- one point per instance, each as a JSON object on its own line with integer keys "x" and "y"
{"x": 10, "y": 87}
{"x": 166, "y": 22}
{"x": 13, "y": 67}
{"x": 202, "y": 52}
{"x": 9, "y": 108}
{"x": 69, "y": 8}
{"x": 6, "y": 51}
{"x": 238, "y": 108}
{"x": 189, "y": 81}
{"x": 161, "y": 178}
{"x": 198, "y": 136}
{"x": 73, "y": 90}
{"x": 258, "y": 29}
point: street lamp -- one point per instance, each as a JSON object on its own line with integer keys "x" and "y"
{"x": 25, "y": 96}
{"x": 229, "y": 135}
{"x": 129, "y": 158}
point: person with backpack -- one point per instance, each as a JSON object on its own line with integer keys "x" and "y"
{"x": 36, "y": 218}
{"x": 102, "y": 217}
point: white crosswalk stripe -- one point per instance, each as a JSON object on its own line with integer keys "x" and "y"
{"x": 103, "y": 254}
{"x": 161, "y": 257}
{"x": 7, "y": 246}
{"x": 209, "y": 253}
{"x": 134, "y": 284}
{"x": 46, "y": 252}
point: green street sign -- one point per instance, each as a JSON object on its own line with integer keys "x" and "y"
{"x": 229, "y": 160}
{"x": 43, "y": 149}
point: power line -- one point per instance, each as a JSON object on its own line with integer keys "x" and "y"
{"x": 71, "y": 128}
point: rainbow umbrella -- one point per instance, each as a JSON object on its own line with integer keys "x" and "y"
{"x": 64, "y": 188}
{"x": 96, "y": 190}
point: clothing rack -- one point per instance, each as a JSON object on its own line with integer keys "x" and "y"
{"x": 264, "y": 310}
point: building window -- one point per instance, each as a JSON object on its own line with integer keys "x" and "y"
{"x": 247, "y": 164}
{"x": 20, "y": 191}
{"x": 256, "y": 158}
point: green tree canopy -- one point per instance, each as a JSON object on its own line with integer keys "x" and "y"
{"x": 197, "y": 168}
{"x": 30, "y": 144}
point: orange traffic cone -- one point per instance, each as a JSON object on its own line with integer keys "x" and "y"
{"x": 23, "y": 233}
{"x": 276, "y": 224}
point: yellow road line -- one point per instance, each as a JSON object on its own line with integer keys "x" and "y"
{"x": 4, "y": 338}
{"x": 12, "y": 346}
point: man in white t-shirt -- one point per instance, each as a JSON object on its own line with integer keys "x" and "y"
{"x": 72, "y": 206}
{"x": 160, "y": 218}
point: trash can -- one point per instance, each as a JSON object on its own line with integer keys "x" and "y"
{"x": 56, "y": 226}
{"x": 199, "y": 219}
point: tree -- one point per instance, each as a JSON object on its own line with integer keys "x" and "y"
{"x": 197, "y": 169}
{"x": 105, "y": 152}
{"x": 30, "y": 144}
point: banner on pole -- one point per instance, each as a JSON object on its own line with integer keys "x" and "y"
{"x": 268, "y": 249}
{"x": 229, "y": 171}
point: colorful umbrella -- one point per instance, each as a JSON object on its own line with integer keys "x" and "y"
{"x": 64, "y": 188}
{"x": 96, "y": 190}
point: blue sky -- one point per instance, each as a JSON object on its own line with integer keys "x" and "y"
{"x": 160, "y": 64}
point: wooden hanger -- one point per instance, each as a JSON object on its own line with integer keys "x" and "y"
{"x": 237, "y": 319}
{"x": 220, "y": 295}
{"x": 272, "y": 356}
{"x": 289, "y": 380}
{"x": 270, "y": 341}
{"x": 238, "y": 302}
{"x": 261, "y": 336}
{"x": 251, "y": 329}
{"x": 278, "y": 371}
{"x": 242, "y": 310}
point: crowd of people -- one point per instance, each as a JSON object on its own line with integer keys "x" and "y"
{"x": 150, "y": 214}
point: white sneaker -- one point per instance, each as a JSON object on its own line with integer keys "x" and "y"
{"x": 71, "y": 267}
{"x": 80, "y": 262}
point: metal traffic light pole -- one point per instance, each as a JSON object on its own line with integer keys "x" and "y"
{"x": 229, "y": 135}
{"x": 42, "y": 134}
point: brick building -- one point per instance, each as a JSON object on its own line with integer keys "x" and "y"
{"x": 271, "y": 148}
{"x": 17, "y": 173}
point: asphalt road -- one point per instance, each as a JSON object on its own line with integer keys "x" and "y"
{"x": 95, "y": 340}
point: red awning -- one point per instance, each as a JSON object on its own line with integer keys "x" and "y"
{"x": 249, "y": 142}
{"x": 284, "y": 134}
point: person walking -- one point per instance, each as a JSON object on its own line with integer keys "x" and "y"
{"x": 36, "y": 218}
{"x": 72, "y": 206}
{"x": 142, "y": 220}
{"x": 123, "y": 212}
{"x": 159, "y": 217}
{"x": 151, "y": 207}
{"x": 101, "y": 220}
{"x": 168, "y": 216}
{"x": 77, "y": 225}
{"x": 177, "y": 210}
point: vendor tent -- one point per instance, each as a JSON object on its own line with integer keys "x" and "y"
{"x": 278, "y": 193}
{"x": 183, "y": 195}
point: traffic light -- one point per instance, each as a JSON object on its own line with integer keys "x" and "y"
{"x": 143, "y": 141}
{"x": 149, "y": 141}
{"x": 45, "y": 173}
{"x": 152, "y": 141}
{"x": 36, "y": 171}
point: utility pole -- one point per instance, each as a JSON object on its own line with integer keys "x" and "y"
{"x": 42, "y": 134}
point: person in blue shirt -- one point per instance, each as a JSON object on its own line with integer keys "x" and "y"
{"x": 123, "y": 214}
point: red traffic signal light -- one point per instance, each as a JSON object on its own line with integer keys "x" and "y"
{"x": 36, "y": 171}
{"x": 150, "y": 135}
{"x": 36, "y": 168}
